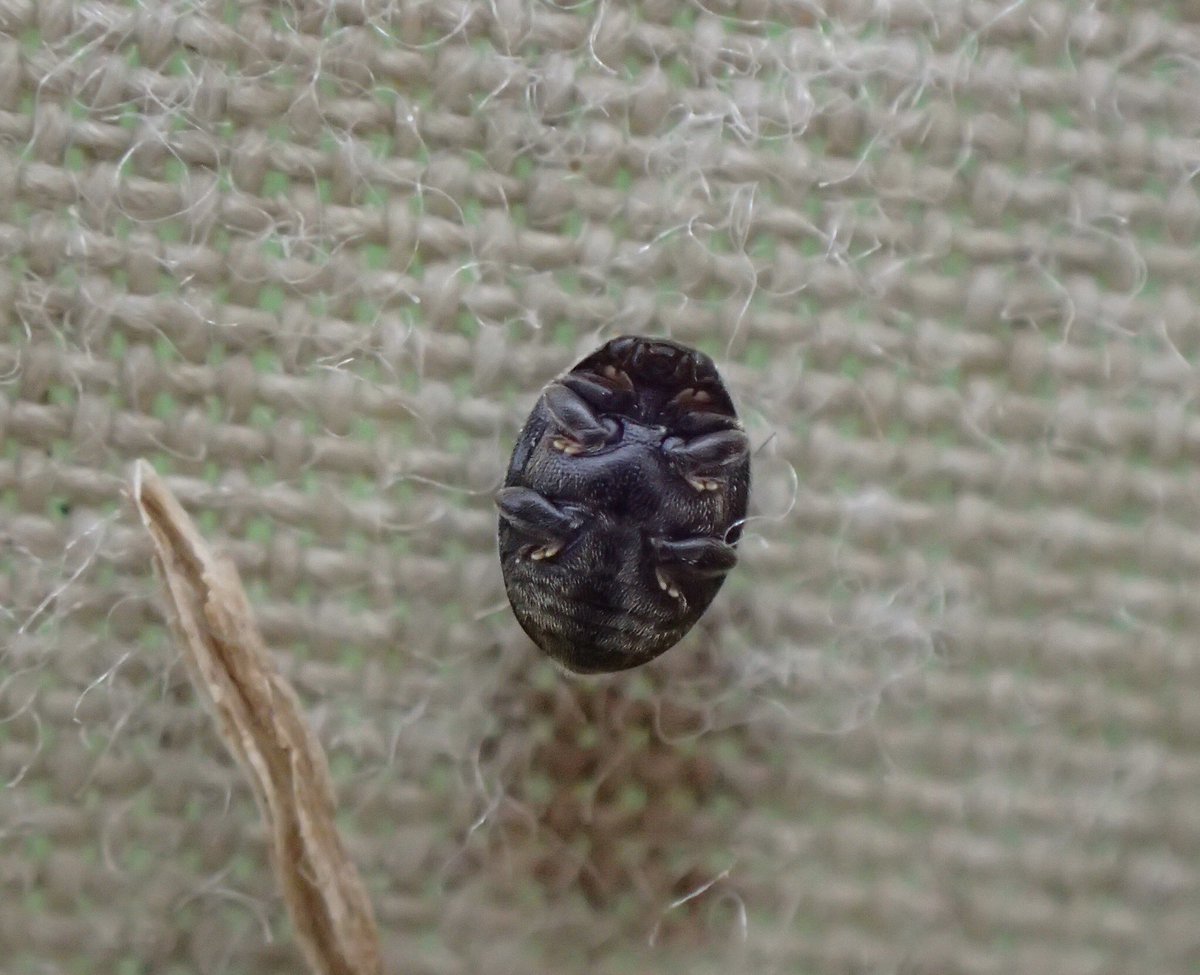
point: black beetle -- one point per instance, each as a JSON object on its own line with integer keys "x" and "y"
{"x": 623, "y": 502}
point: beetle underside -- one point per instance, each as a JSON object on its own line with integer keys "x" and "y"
{"x": 623, "y": 503}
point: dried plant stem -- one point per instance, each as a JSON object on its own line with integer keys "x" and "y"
{"x": 259, "y": 717}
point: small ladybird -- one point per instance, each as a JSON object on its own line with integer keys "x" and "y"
{"x": 623, "y": 503}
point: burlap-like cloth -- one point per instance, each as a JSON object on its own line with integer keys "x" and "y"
{"x": 315, "y": 261}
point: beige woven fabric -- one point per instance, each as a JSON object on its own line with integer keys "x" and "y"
{"x": 315, "y": 261}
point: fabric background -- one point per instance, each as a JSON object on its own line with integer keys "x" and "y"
{"x": 315, "y": 262}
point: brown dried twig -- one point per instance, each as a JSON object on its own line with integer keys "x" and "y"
{"x": 259, "y": 717}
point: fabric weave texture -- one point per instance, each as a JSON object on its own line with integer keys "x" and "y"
{"x": 315, "y": 260}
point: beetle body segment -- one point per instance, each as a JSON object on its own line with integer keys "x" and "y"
{"x": 623, "y": 504}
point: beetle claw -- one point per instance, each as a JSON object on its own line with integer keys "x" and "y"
{"x": 619, "y": 376}
{"x": 567, "y": 446}
{"x": 690, "y": 399}
{"x": 667, "y": 585}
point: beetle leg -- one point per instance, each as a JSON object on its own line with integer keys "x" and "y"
{"x": 692, "y": 412}
{"x": 701, "y": 459}
{"x": 544, "y": 523}
{"x": 700, "y": 557}
{"x": 696, "y": 558}
{"x": 610, "y": 390}
{"x": 581, "y": 429}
